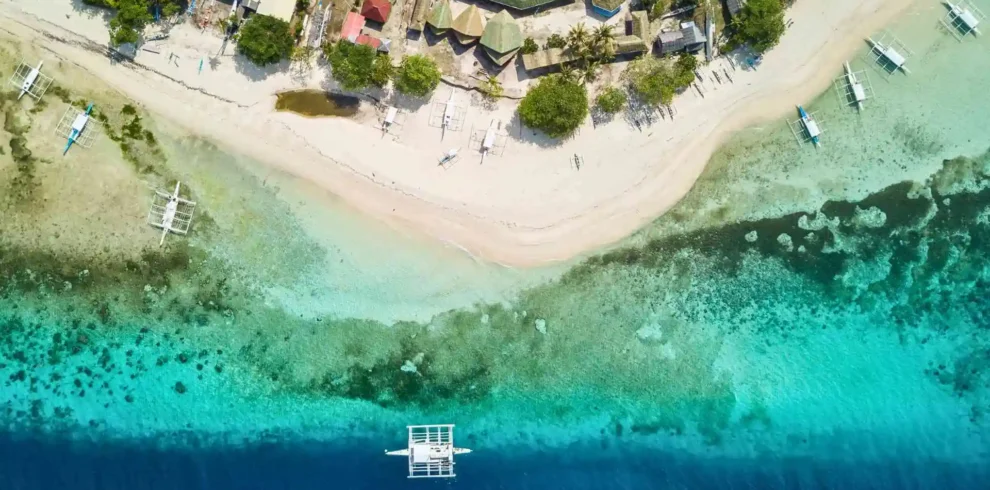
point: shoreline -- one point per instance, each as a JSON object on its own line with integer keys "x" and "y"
{"x": 525, "y": 208}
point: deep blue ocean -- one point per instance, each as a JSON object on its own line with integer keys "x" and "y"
{"x": 33, "y": 464}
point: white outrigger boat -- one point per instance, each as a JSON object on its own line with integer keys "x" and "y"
{"x": 448, "y": 158}
{"x": 883, "y": 49}
{"x": 449, "y": 111}
{"x": 963, "y": 16}
{"x": 490, "y": 138}
{"x": 855, "y": 86}
{"x": 30, "y": 80}
{"x": 171, "y": 213}
{"x": 76, "y": 130}
{"x": 806, "y": 128}
{"x": 389, "y": 120}
{"x": 810, "y": 126}
{"x": 430, "y": 451}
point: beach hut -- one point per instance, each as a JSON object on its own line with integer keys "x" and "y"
{"x": 547, "y": 58}
{"x": 734, "y": 7}
{"x": 353, "y": 24}
{"x": 638, "y": 24}
{"x": 440, "y": 18}
{"x": 417, "y": 18}
{"x": 689, "y": 39}
{"x": 469, "y": 26}
{"x": 501, "y": 38}
{"x": 606, "y": 8}
{"x": 376, "y": 10}
{"x": 370, "y": 41}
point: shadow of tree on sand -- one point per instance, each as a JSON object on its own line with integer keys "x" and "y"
{"x": 518, "y": 131}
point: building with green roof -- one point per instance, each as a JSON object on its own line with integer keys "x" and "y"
{"x": 502, "y": 38}
{"x": 607, "y": 8}
{"x": 469, "y": 25}
{"x": 441, "y": 18}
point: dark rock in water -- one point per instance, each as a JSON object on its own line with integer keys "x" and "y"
{"x": 129, "y": 398}
{"x": 179, "y": 387}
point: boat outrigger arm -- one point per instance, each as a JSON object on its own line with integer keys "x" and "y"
{"x": 78, "y": 126}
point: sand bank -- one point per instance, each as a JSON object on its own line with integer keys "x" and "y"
{"x": 525, "y": 207}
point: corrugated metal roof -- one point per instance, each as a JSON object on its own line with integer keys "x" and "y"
{"x": 502, "y": 34}
{"x": 441, "y": 17}
{"x": 470, "y": 22}
{"x": 353, "y": 24}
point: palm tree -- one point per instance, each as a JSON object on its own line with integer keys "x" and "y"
{"x": 578, "y": 38}
{"x": 603, "y": 42}
{"x": 567, "y": 72}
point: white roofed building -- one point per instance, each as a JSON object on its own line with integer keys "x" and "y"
{"x": 280, "y": 9}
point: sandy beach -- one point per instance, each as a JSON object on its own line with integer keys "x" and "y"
{"x": 525, "y": 207}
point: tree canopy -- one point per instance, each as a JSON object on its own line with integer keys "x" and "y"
{"x": 382, "y": 70}
{"x": 759, "y": 24}
{"x": 656, "y": 80}
{"x": 611, "y": 100}
{"x": 264, "y": 40}
{"x": 418, "y": 75}
{"x": 352, "y": 64}
{"x": 132, "y": 16}
{"x": 556, "y": 105}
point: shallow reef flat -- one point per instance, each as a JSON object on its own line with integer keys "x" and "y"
{"x": 866, "y": 317}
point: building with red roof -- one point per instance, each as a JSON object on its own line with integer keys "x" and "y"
{"x": 353, "y": 24}
{"x": 367, "y": 40}
{"x": 376, "y": 10}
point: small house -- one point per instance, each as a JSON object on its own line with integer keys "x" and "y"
{"x": 734, "y": 7}
{"x": 441, "y": 17}
{"x": 606, "y": 8}
{"x": 502, "y": 38}
{"x": 688, "y": 39}
{"x": 353, "y": 24}
{"x": 376, "y": 10}
{"x": 417, "y": 17}
{"x": 469, "y": 25}
{"x": 280, "y": 9}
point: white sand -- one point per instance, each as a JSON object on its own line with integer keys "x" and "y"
{"x": 526, "y": 207}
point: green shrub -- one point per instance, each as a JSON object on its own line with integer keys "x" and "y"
{"x": 556, "y": 41}
{"x": 529, "y": 46}
{"x": 556, "y": 105}
{"x": 759, "y": 24}
{"x": 418, "y": 75}
{"x": 265, "y": 40}
{"x": 611, "y": 100}
{"x": 352, "y": 65}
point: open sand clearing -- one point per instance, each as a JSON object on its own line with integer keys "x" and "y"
{"x": 525, "y": 207}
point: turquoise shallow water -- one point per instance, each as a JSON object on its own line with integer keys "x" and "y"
{"x": 803, "y": 319}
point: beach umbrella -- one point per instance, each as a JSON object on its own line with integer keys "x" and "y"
{"x": 441, "y": 17}
{"x": 376, "y": 10}
{"x": 502, "y": 37}
{"x": 470, "y": 25}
